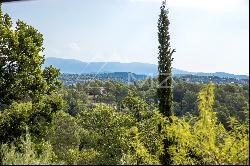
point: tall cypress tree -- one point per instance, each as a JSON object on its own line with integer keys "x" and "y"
{"x": 165, "y": 92}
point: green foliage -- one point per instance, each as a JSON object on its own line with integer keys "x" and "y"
{"x": 106, "y": 98}
{"x": 165, "y": 94}
{"x": 37, "y": 116}
{"x": 81, "y": 128}
{"x": 83, "y": 157}
{"x": 105, "y": 132}
{"x": 231, "y": 101}
{"x": 151, "y": 132}
{"x": 165, "y": 89}
{"x": 138, "y": 153}
{"x": 64, "y": 135}
{"x": 49, "y": 75}
{"x": 28, "y": 153}
{"x": 147, "y": 131}
{"x": 135, "y": 106}
{"x": 21, "y": 76}
{"x": 76, "y": 99}
{"x": 203, "y": 140}
{"x": 13, "y": 122}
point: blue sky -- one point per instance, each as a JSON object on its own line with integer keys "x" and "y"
{"x": 208, "y": 35}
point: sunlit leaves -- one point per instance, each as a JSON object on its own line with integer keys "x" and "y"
{"x": 21, "y": 76}
{"x": 203, "y": 140}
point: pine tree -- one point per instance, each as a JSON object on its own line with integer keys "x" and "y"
{"x": 165, "y": 92}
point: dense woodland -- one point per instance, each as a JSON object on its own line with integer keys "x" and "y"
{"x": 43, "y": 121}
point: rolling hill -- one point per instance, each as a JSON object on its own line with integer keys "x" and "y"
{"x": 72, "y": 66}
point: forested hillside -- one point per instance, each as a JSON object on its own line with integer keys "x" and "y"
{"x": 104, "y": 122}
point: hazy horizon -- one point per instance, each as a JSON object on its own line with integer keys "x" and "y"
{"x": 141, "y": 63}
{"x": 209, "y": 36}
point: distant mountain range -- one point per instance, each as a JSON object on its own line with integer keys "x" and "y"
{"x": 72, "y": 66}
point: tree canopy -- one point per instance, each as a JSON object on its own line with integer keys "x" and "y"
{"x": 109, "y": 122}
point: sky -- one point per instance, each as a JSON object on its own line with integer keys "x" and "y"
{"x": 208, "y": 35}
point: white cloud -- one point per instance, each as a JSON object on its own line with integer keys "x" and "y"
{"x": 212, "y": 5}
{"x": 74, "y": 46}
